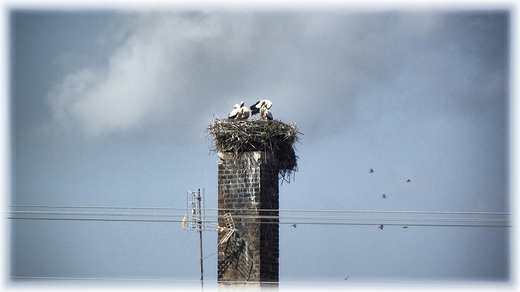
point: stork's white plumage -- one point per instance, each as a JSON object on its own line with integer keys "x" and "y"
{"x": 255, "y": 108}
{"x": 239, "y": 112}
{"x": 268, "y": 103}
{"x": 235, "y": 112}
{"x": 265, "y": 114}
{"x": 244, "y": 112}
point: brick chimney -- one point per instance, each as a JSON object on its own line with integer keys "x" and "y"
{"x": 247, "y": 189}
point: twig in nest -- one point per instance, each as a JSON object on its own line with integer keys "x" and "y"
{"x": 272, "y": 136}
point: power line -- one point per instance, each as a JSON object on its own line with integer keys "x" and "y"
{"x": 306, "y": 283}
{"x": 281, "y": 219}
{"x": 98, "y": 279}
{"x": 391, "y": 224}
{"x": 95, "y": 207}
{"x": 448, "y": 224}
{"x": 95, "y": 219}
{"x": 95, "y": 214}
{"x": 260, "y": 216}
{"x": 267, "y": 210}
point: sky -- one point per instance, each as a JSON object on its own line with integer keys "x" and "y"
{"x": 109, "y": 107}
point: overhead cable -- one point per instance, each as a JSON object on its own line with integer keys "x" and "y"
{"x": 269, "y": 210}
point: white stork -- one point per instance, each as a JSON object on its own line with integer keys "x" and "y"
{"x": 265, "y": 114}
{"x": 239, "y": 112}
{"x": 244, "y": 112}
{"x": 255, "y": 108}
{"x": 235, "y": 112}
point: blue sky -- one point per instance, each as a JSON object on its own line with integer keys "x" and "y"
{"x": 109, "y": 107}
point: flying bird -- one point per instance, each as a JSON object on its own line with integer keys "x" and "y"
{"x": 408, "y": 180}
{"x": 371, "y": 171}
{"x": 294, "y": 225}
{"x": 235, "y": 112}
{"x": 405, "y": 226}
{"x": 346, "y": 278}
{"x": 383, "y": 196}
{"x": 255, "y": 108}
{"x": 381, "y": 226}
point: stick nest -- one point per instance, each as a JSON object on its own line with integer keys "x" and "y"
{"x": 235, "y": 137}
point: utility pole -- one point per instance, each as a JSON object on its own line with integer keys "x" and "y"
{"x": 195, "y": 221}
{"x": 200, "y": 239}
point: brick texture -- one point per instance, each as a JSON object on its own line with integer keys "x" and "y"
{"x": 247, "y": 188}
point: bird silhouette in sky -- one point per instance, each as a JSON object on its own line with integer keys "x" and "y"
{"x": 405, "y": 226}
{"x": 346, "y": 278}
{"x": 294, "y": 225}
{"x": 408, "y": 180}
{"x": 371, "y": 171}
{"x": 381, "y": 226}
{"x": 383, "y": 196}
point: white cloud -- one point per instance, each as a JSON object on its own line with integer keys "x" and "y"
{"x": 71, "y": 90}
{"x": 146, "y": 76}
{"x": 178, "y": 69}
